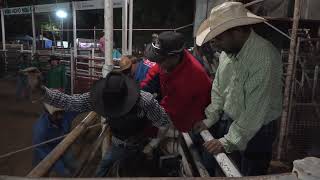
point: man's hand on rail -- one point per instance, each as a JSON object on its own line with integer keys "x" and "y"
{"x": 214, "y": 146}
{"x": 148, "y": 151}
{"x": 199, "y": 126}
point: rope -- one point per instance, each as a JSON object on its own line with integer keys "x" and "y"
{"x": 253, "y": 2}
{"x": 278, "y": 30}
{"x": 134, "y": 29}
{"x": 40, "y": 144}
{"x": 182, "y": 27}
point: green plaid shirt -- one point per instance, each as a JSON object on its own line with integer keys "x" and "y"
{"x": 248, "y": 88}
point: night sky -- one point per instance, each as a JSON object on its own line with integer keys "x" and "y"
{"x": 147, "y": 14}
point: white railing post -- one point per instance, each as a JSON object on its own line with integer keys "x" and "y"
{"x": 108, "y": 37}
{"x": 34, "y": 45}
{"x": 74, "y": 24}
{"x": 223, "y": 160}
{"x": 125, "y": 27}
{"x": 72, "y": 72}
{"x": 130, "y": 26}
{"x": 3, "y": 31}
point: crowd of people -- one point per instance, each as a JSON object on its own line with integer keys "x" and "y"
{"x": 170, "y": 87}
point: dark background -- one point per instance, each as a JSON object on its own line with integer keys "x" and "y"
{"x": 149, "y": 14}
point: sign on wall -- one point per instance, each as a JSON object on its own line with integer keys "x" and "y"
{"x": 96, "y": 4}
{"x": 79, "y": 5}
{"x": 51, "y": 7}
{"x": 18, "y": 10}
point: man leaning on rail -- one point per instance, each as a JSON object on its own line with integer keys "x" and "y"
{"x": 128, "y": 111}
{"x": 246, "y": 96}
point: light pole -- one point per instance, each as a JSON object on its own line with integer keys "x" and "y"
{"x": 61, "y": 14}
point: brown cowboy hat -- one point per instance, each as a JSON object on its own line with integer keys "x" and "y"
{"x": 115, "y": 95}
{"x": 124, "y": 64}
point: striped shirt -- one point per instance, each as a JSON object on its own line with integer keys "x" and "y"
{"x": 248, "y": 88}
{"x": 147, "y": 107}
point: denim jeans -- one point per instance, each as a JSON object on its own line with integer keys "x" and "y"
{"x": 115, "y": 153}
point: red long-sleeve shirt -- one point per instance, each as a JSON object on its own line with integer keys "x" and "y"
{"x": 185, "y": 92}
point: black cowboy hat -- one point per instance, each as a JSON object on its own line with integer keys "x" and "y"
{"x": 114, "y": 96}
{"x": 170, "y": 43}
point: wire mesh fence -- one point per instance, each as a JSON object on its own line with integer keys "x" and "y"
{"x": 304, "y": 114}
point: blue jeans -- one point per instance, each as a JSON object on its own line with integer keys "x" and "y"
{"x": 115, "y": 153}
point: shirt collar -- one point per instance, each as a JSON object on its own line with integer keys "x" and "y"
{"x": 246, "y": 47}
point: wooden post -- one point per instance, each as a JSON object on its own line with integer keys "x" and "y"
{"x": 106, "y": 142}
{"x": 289, "y": 78}
{"x": 43, "y": 167}
{"x": 86, "y": 162}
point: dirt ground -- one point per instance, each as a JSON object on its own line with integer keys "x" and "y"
{"x": 17, "y": 118}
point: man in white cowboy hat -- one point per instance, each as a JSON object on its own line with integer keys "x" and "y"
{"x": 129, "y": 113}
{"x": 53, "y": 123}
{"x": 246, "y": 96}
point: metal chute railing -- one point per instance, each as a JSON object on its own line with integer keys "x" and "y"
{"x": 226, "y": 165}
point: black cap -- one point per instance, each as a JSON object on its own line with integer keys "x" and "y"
{"x": 170, "y": 43}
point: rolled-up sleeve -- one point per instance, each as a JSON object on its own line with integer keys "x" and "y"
{"x": 154, "y": 111}
{"x": 215, "y": 108}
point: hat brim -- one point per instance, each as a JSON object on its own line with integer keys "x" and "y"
{"x": 97, "y": 100}
{"x": 208, "y": 31}
{"x": 151, "y": 53}
{"x": 123, "y": 68}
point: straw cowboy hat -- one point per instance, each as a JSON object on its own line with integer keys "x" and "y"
{"x": 51, "y": 109}
{"x": 114, "y": 96}
{"x": 223, "y": 17}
